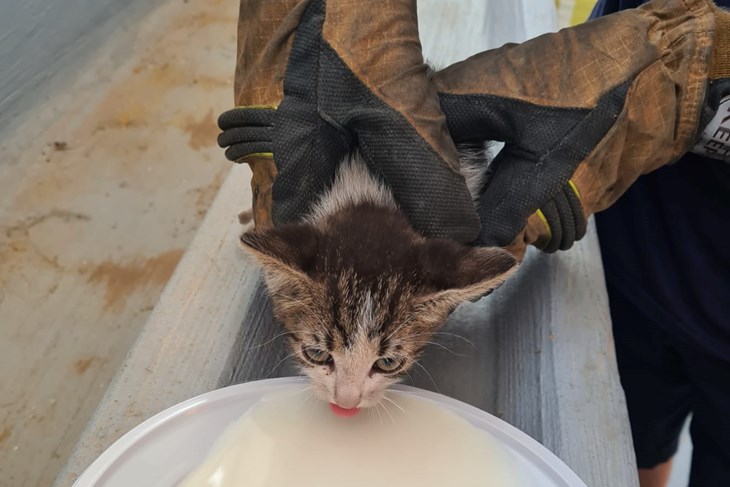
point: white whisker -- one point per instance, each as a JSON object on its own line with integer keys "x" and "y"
{"x": 310, "y": 403}
{"x": 377, "y": 409}
{"x": 399, "y": 328}
{"x": 429, "y": 376}
{"x": 409, "y": 377}
{"x": 454, "y": 335}
{"x": 254, "y": 347}
{"x": 444, "y": 347}
{"x": 279, "y": 363}
{"x": 388, "y": 411}
{"x": 394, "y": 403}
{"x": 301, "y": 391}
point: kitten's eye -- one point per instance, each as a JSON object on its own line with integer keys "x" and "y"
{"x": 388, "y": 365}
{"x": 318, "y": 356}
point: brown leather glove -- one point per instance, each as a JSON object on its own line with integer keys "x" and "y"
{"x": 316, "y": 79}
{"x": 585, "y": 112}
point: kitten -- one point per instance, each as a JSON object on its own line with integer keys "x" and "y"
{"x": 360, "y": 292}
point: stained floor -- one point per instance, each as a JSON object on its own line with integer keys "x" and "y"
{"x": 94, "y": 217}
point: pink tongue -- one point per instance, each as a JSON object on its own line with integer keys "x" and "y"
{"x": 342, "y": 412}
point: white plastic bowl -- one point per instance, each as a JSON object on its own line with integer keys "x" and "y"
{"x": 162, "y": 450}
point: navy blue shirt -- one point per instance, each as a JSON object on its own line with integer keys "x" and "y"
{"x": 666, "y": 242}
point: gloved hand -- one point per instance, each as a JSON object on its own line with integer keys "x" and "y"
{"x": 585, "y": 112}
{"x": 354, "y": 77}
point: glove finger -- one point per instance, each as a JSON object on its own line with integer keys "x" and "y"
{"x": 247, "y": 116}
{"x": 551, "y": 216}
{"x": 508, "y": 198}
{"x": 240, "y": 135}
{"x": 510, "y": 193}
{"x": 579, "y": 218}
{"x": 237, "y": 151}
{"x": 567, "y": 221}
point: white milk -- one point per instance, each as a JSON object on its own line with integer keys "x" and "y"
{"x": 291, "y": 439}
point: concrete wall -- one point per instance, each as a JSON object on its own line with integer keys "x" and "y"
{"x": 43, "y": 41}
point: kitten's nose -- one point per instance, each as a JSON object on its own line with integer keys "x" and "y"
{"x": 348, "y": 397}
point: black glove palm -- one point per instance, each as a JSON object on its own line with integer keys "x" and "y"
{"x": 393, "y": 119}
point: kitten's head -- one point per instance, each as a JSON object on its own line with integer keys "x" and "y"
{"x": 361, "y": 294}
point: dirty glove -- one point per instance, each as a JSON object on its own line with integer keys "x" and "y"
{"x": 584, "y": 112}
{"x": 354, "y": 77}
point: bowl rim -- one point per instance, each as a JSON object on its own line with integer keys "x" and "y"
{"x": 496, "y": 426}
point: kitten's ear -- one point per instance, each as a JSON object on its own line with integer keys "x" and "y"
{"x": 460, "y": 273}
{"x": 285, "y": 252}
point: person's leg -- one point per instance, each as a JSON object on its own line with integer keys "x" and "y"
{"x": 656, "y": 476}
{"x": 710, "y": 427}
{"x": 657, "y": 391}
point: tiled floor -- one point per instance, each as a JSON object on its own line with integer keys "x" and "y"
{"x": 94, "y": 217}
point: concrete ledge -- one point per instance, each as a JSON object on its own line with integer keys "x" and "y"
{"x": 537, "y": 353}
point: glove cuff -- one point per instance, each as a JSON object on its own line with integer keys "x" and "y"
{"x": 720, "y": 63}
